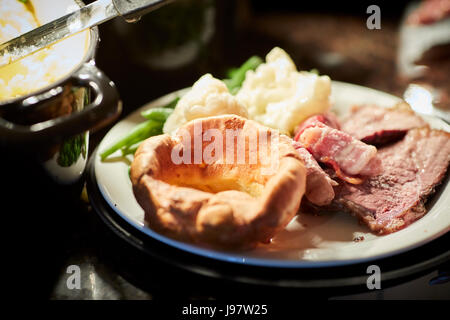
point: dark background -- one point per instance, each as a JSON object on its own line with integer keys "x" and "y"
{"x": 307, "y": 30}
{"x": 389, "y": 8}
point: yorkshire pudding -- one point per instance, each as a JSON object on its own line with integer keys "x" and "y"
{"x": 230, "y": 189}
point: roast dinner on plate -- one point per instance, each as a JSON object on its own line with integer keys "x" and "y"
{"x": 231, "y": 162}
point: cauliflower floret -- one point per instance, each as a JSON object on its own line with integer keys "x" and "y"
{"x": 279, "y": 96}
{"x": 208, "y": 97}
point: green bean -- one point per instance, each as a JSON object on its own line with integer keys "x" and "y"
{"x": 157, "y": 114}
{"x": 152, "y": 127}
{"x": 172, "y": 104}
{"x": 234, "y": 83}
{"x": 231, "y": 72}
{"x": 130, "y": 149}
{"x": 140, "y": 132}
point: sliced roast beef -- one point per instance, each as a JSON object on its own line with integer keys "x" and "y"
{"x": 319, "y": 186}
{"x": 328, "y": 118}
{"x": 347, "y": 155}
{"x": 412, "y": 168}
{"x": 377, "y": 125}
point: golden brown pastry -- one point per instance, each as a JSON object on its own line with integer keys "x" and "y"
{"x": 217, "y": 201}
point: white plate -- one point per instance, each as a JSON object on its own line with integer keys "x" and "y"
{"x": 308, "y": 241}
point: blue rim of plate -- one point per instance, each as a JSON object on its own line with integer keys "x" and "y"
{"x": 237, "y": 258}
{"x": 397, "y": 269}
